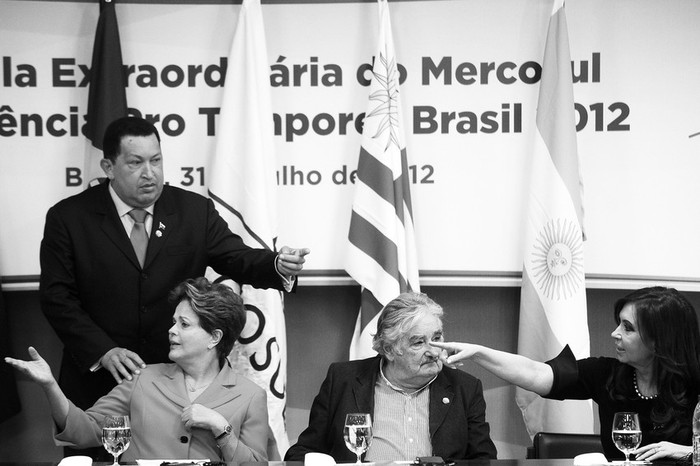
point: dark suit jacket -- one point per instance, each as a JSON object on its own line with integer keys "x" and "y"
{"x": 95, "y": 294}
{"x": 458, "y": 428}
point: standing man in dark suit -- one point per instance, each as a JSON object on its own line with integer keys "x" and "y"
{"x": 418, "y": 407}
{"x": 105, "y": 291}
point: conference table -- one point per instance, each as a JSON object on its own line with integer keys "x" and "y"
{"x": 509, "y": 462}
{"x": 512, "y": 462}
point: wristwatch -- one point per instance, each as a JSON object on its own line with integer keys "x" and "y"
{"x": 227, "y": 431}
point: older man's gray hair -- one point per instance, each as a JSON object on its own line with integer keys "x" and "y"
{"x": 398, "y": 316}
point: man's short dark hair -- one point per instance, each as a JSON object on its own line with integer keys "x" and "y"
{"x": 125, "y": 126}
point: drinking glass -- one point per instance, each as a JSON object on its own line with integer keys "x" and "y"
{"x": 358, "y": 433}
{"x": 626, "y": 433}
{"x": 116, "y": 435}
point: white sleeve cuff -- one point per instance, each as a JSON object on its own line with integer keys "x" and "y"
{"x": 287, "y": 281}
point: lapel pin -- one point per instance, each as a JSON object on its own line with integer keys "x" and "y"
{"x": 445, "y": 401}
{"x": 159, "y": 233}
{"x": 161, "y": 226}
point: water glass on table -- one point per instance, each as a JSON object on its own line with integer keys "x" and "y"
{"x": 116, "y": 435}
{"x": 358, "y": 433}
{"x": 626, "y": 433}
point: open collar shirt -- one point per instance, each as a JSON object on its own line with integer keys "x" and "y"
{"x": 401, "y": 421}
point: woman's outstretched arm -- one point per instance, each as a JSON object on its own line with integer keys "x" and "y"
{"x": 38, "y": 370}
{"x": 531, "y": 375}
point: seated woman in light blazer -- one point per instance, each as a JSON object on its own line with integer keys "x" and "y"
{"x": 195, "y": 408}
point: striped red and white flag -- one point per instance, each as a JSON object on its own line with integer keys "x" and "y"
{"x": 107, "y": 92}
{"x": 382, "y": 254}
{"x": 553, "y": 309}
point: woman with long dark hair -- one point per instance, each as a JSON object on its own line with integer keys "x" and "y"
{"x": 656, "y": 372}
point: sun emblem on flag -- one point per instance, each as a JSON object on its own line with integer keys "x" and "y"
{"x": 557, "y": 259}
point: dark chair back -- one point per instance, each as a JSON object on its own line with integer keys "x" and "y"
{"x": 549, "y": 445}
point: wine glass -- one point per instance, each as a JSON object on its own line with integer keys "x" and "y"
{"x": 116, "y": 435}
{"x": 358, "y": 433}
{"x": 626, "y": 433}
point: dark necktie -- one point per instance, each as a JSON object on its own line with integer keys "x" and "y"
{"x": 139, "y": 237}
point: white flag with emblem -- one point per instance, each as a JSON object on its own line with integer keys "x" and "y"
{"x": 553, "y": 296}
{"x": 242, "y": 185}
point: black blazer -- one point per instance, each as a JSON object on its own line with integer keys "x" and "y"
{"x": 96, "y": 296}
{"x": 458, "y": 427}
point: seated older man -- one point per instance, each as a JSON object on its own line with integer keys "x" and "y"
{"x": 418, "y": 407}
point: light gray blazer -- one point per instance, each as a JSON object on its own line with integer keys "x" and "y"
{"x": 155, "y": 399}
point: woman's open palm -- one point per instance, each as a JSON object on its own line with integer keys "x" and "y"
{"x": 37, "y": 369}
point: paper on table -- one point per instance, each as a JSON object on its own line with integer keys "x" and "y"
{"x": 78, "y": 460}
{"x": 318, "y": 459}
{"x": 588, "y": 459}
{"x": 597, "y": 459}
{"x": 172, "y": 461}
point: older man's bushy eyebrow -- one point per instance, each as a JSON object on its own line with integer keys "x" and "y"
{"x": 416, "y": 338}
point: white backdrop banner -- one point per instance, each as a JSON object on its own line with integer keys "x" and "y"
{"x": 470, "y": 78}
